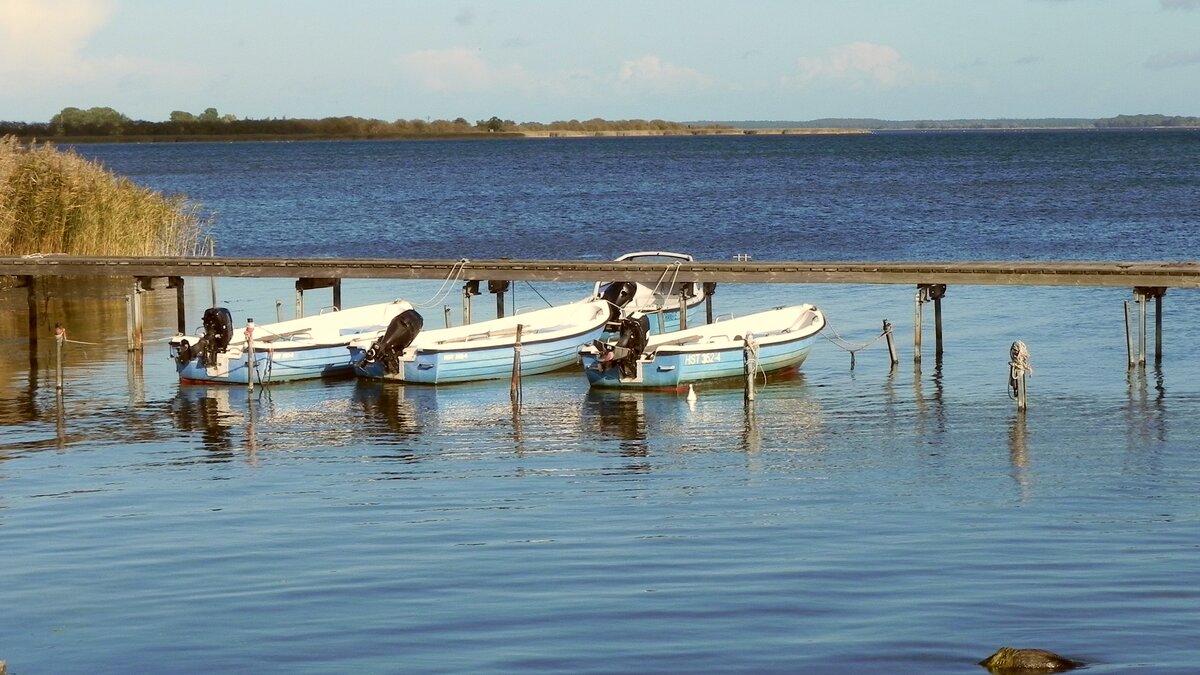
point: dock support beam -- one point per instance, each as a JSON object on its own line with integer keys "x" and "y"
{"x": 925, "y": 293}
{"x": 470, "y": 288}
{"x": 710, "y": 289}
{"x": 1140, "y": 295}
{"x": 308, "y": 284}
{"x": 180, "y": 303}
{"x": 499, "y": 288}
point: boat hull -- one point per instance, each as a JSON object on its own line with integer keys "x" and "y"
{"x": 298, "y": 349}
{"x": 444, "y": 356}
{"x": 779, "y": 339}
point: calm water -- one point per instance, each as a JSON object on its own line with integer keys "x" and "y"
{"x": 850, "y": 521}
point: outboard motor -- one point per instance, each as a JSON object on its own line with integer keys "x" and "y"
{"x": 617, "y": 294}
{"x": 399, "y": 335}
{"x": 218, "y": 329}
{"x": 629, "y": 347}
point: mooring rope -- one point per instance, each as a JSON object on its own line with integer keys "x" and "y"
{"x": 538, "y": 294}
{"x": 1018, "y": 367}
{"x": 455, "y": 275}
{"x": 845, "y": 344}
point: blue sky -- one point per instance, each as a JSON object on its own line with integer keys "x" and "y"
{"x": 537, "y": 60}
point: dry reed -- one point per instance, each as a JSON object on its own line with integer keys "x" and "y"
{"x": 54, "y": 201}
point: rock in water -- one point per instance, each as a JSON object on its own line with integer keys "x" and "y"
{"x": 1009, "y": 661}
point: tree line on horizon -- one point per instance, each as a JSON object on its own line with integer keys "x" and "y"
{"x": 106, "y": 122}
{"x": 109, "y": 124}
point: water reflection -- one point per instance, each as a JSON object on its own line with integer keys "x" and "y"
{"x": 1145, "y": 412}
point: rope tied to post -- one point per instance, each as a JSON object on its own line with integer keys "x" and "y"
{"x": 1018, "y": 367}
{"x": 850, "y": 347}
{"x": 452, "y": 277}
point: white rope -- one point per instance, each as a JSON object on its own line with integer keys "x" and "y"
{"x": 1018, "y": 366}
{"x": 455, "y": 275}
{"x": 845, "y": 344}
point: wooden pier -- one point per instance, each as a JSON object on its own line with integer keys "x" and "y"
{"x": 1148, "y": 280}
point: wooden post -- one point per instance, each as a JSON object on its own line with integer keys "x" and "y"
{"x": 937, "y": 327}
{"x": 1158, "y": 324}
{"x": 180, "y": 304}
{"x": 446, "y": 311}
{"x": 749, "y": 368}
{"x": 31, "y": 293}
{"x": 891, "y": 342}
{"x": 1018, "y": 371}
{"x": 1141, "y": 300}
{"x": 920, "y": 299}
{"x": 278, "y": 310}
{"x": 1128, "y": 336}
{"x": 710, "y": 288}
{"x": 337, "y": 293}
{"x": 470, "y": 288}
{"x": 299, "y": 300}
{"x": 514, "y": 388}
{"x": 682, "y": 310}
{"x": 251, "y": 367}
{"x": 499, "y": 288}
{"x": 60, "y": 336}
{"x": 129, "y": 323}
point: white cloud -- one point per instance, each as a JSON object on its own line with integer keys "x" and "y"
{"x": 459, "y": 70}
{"x": 651, "y": 72}
{"x": 859, "y": 64}
{"x": 43, "y": 37}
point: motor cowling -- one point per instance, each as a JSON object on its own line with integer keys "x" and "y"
{"x": 630, "y": 345}
{"x": 218, "y": 330}
{"x": 400, "y": 333}
{"x": 618, "y": 294}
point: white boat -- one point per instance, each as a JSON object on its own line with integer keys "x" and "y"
{"x": 659, "y": 301}
{"x": 304, "y": 348}
{"x": 547, "y": 340}
{"x": 763, "y": 342}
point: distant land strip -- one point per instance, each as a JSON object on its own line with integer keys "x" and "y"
{"x": 75, "y": 125}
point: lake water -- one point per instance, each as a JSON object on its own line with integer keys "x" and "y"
{"x": 850, "y": 520}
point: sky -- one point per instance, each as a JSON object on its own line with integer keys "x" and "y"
{"x": 544, "y": 61}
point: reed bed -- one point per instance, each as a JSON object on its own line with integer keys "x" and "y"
{"x": 54, "y": 201}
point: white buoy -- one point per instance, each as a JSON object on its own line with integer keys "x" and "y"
{"x": 691, "y": 393}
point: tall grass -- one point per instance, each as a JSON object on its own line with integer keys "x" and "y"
{"x": 54, "y": 201}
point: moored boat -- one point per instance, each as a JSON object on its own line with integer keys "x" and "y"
{"x": 303, "y": 348}
{"x": 660, "y": 301}
{"x": 547, "y": 340}
{"x": 763, "y": 342}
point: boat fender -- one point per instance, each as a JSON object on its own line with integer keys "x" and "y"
{"x": 400, "y": 333}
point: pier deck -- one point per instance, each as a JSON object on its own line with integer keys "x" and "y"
{"x": 998, "y": 273}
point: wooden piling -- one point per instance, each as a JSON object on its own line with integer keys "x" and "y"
{"x": 1128, "y": 336}
{"x": 710, "y": 288}
{"x": 937, "y": 327}
{"x": 1141, "y": 300}
{"x": 446, "y": 315}
{"x": 749, "y": 367}
{"x": 682, "y": 310}
{"x": 180, "y": 303}
{"x": 60, "y": 336}
{"x": 891, "y": 342}
{"x": 1158, "y": 325}
{"x": 251, "y": 366}
{"x": 514, "y": 388}
{"x": 917, "y": 326}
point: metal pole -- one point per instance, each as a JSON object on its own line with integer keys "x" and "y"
{"x": 180, "y": 304}
{"x": 446, "y": 311}
{"x": 337, "y": 293}
{"x": 299, "y": 301}
{"x": 129, "y": 323}
{"x": 1141, "y": 298}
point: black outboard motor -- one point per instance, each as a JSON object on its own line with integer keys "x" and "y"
{"x": 399, "y": 335}
{"x": 629, "y": 347}
{"x": 618, "y": 294}
{"x": 218, "y": 330}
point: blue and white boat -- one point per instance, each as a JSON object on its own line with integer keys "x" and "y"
{"x": 298, "y": 349}
{"x": 546, "y": 340}
{"x": 757, "y": 343}
{"x": 659, "y": 301}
